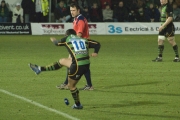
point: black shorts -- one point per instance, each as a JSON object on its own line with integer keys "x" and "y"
{"x": 75, "y": 72}
{"x": 168, "y": 31}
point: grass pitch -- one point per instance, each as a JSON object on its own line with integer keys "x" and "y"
{"x": 128, "y": 85}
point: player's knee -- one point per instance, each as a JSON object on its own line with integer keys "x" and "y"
{"x": 171, "y": 39}
{"x": 61, "y": 61}
{"x": 160, "y": 37}
{"x": 70, "y": 86}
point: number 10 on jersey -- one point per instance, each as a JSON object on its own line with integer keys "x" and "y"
{"x": 79, "y": 45}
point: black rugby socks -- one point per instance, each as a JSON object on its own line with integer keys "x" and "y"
{"x": 54, "y": 66}
{"x": 75, "y": 95}
{"x": 160, "y": 50}
{"x": 175, "y": 48}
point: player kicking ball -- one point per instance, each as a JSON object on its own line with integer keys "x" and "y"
{"x": 78, "y": 64}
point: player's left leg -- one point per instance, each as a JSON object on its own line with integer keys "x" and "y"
{"x": 75, "y": 73}
{"x": 75, "y": 93}
{"x": 175, "y": 48}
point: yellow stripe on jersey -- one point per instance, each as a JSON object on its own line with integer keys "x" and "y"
{"x": 75, "y": 60}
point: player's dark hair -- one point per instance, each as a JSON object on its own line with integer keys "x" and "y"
{"x": 75, "y": 5}
{"x": 70, "y": 31}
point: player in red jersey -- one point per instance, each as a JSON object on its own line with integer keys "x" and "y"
{"x": 80, "y": 25}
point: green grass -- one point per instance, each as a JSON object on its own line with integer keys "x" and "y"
{"x": 128, "y": 86}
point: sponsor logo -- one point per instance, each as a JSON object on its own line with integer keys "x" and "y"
{"x": 92, "y": 28}
{"x": 114, "y": 29}
{"x": 53, "y": 28}
{"x": 177, "y": 28}
{"x": 15, "y": 28}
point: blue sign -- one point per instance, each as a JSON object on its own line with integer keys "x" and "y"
{"x": 114, "y": 29}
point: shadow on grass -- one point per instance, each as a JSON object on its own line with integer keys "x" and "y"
{"x": 95, "y": 108}
{"x": 140, "y": 115}
{"x": 136, "y": 84}
{"x": 147, "y": 93}
{"x": 162, "y": 94}
{"x": 127, "y": 104}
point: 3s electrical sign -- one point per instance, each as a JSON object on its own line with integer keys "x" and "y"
{"x": 114, "y": 29}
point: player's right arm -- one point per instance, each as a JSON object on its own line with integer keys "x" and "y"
{"x": 169, "y": 12}
{"x": 96, "y": 45}
{"x": 169, "y": 16}
{"x": 58, "y": 42}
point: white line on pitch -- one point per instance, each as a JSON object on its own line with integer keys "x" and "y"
{"x": 39, "y": 105}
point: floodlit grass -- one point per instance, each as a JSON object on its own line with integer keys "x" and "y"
{"x": 128, "y": 85}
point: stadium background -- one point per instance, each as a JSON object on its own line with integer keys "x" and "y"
{"x": 127, "y": 84}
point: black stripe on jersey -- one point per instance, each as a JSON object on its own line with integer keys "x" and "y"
{"x": 69, "y": 43}
{"x": 84, "y": 58}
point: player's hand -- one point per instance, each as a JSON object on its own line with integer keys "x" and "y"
{"x": 161, "y": 28}
{"x": 52, "y": 39}
{"x": 94, "y": 54}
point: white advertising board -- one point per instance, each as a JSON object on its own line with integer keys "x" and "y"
{"x": 49, "y": 28}
{"x": 60, "y": 28}
{"x": 136, "y": 28}
{"x": 101, "y": 28}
